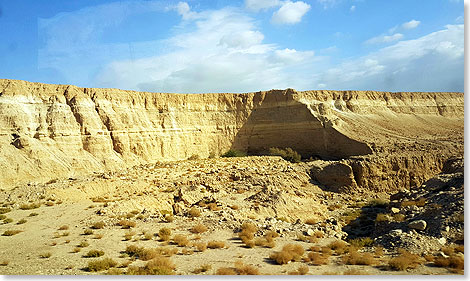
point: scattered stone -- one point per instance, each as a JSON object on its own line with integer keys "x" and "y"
{"x": 395, "y": 210}
{"x": 396, "y": 232}
{"x": 418, "y": 225}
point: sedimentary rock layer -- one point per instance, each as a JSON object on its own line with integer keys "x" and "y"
{"x": 49, "y": 131}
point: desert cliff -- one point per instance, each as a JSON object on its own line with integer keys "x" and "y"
{"x": 50, "y": 131}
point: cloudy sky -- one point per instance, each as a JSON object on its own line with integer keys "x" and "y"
{"x": 199, "y": 46}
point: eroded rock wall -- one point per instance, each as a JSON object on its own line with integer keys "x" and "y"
{"x": 50, "y": 131}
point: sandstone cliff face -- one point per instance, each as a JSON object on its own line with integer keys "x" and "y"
{"x": 49, "y": 131}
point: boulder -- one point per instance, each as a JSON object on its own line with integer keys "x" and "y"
{"x": 418, "y": 225}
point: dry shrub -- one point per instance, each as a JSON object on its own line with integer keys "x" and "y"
{"x": 186, "y": 251}
{"x": 199, "y": 228}
{"x": 249, "y": 227}
{"x": 247, "y": 234}
{"x": 93, "y": 254}
{"x": 11, "y": 232}
{"x": 158, "y": 266}
{"x": 303, "y": 270}
{"x": 311, "y": 221}
{"x": 455, "y": 262}
{"x": 361, "y": 242}
{"x": 429, "y": 258}
{"x": 200, "y": 246}
{"x": 88, "y": 232}
{"x": 83, "y": 244}
{"x": 338, "y": 246}
{"x": 149, "y": 254}
{"x": 235, "y": 207}
{"x": 64, "y": 227}
{"x": 164, "y": 234}
{"x": 180, "y": 240}
{"x": 33, "y": 214}
{"x": 98, "y": 225}
{"x": 30, "y": 206}
{"x": 316, "y": 258}
{"x": 318, "y": 234}
{"x": 98, "y": 236}
{"x": 147, "y": 236}
{"x": 76, "y": 249}
{"x": 202, "y": 268}
{"x": 114, "y": 271}
{"x": 226, "y": 271}
{"x": 4, "y": 210}
{"x": 244, "y": 269}
{"x": 100, "y": 265}
{"x": 249, "y": 243}
{"x": 215, "y": 244}
{"x": 194, "y": 212}
{"x": 289, "y": 252}
{"x": 460, "y": 248}
{"x": 128, "y": 235}
{"x": 4, "y": 263}
{"x": 379, "y": 251}
{"x": 126, "y": 224}
{"x": 355, "y": 272}
{"x": 405, "y": 261}
{"x": 356, "y": 258}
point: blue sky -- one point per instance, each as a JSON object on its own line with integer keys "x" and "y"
{"x": 198, "y": 46}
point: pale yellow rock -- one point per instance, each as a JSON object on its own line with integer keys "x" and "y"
{"x": 50, "y": 131}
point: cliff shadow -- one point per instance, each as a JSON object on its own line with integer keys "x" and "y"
{"x": 278, "y": 120}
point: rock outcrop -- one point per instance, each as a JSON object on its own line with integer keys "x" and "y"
{"x": 50, "y": 131}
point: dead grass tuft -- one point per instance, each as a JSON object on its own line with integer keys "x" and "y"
{"x": 98, "y": 225}
{"x": 405, "y": 261}
{"x": 216, "y": 244}
{"x": 199, "y": 228}
{"x": 180, "y": 240}
{"x": 126, "y": 224}
{"x": 290, "y": 252}
{"x": 100, "y": 265}
{"x": 164, "y": 234}
{"x": 11, "y": 232}
{"x": 200, "y": 246}
{"x": 356, "y": 258}
{"x": 30, "y": 206}
{"x": 203, "y": 268}
{"x": 93, "y": 254}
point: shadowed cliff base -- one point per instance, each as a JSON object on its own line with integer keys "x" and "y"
{"x": 278, "y": 120}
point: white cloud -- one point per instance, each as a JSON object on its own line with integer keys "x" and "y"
{"x": 411, "y": 24}
{"x": 385, "y": 38}
{"x": 220, "y": 51}
{"x": 242, "y": 39}
{"x": 184, "y": 10}
{"x": 353, "y": 8}
{"x": 430, "y": 63}
{"x": 290, "y": 12}
{"x": 256, "y": 5}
